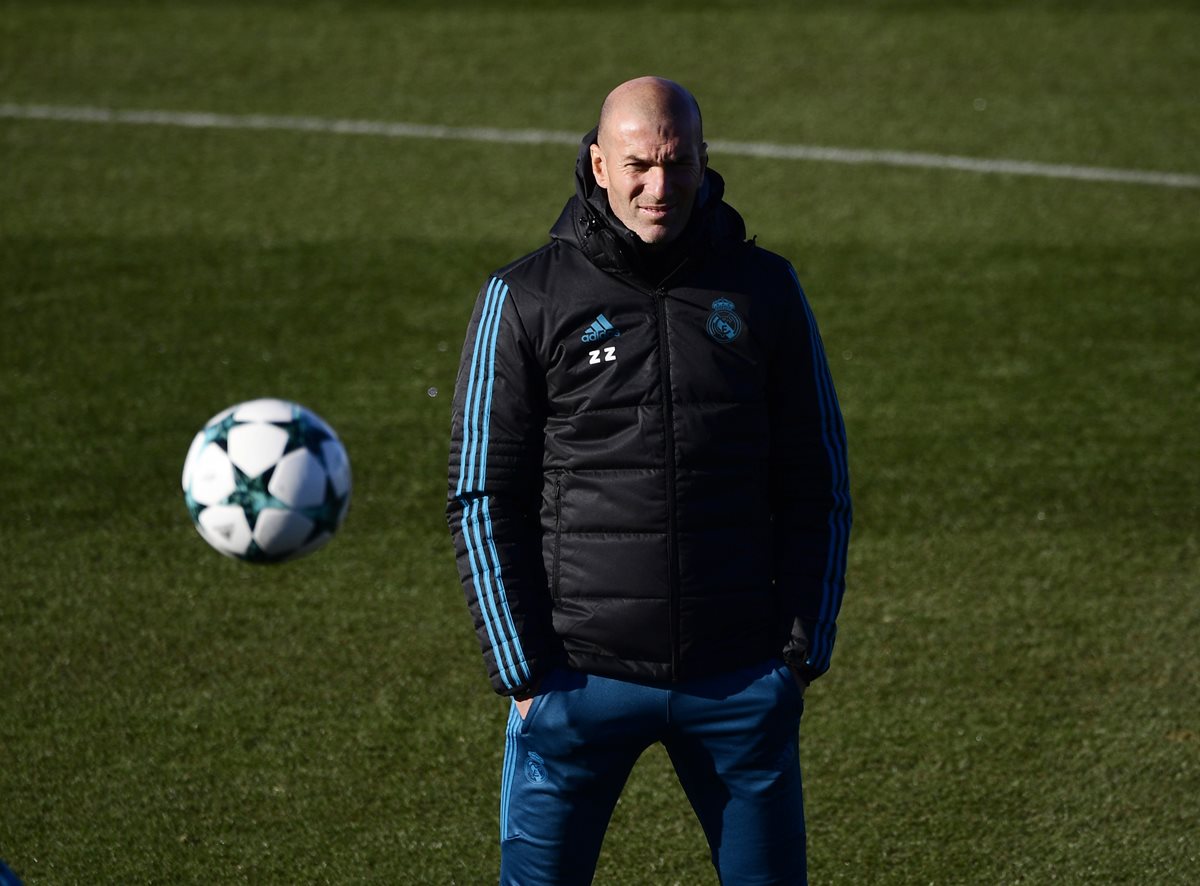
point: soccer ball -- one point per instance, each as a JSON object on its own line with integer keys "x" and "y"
{"x": 266, "y": 481}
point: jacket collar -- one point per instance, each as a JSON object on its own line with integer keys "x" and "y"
{"x": 588, "y": 223}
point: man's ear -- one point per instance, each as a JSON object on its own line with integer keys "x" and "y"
{"x": 599, "y": 169}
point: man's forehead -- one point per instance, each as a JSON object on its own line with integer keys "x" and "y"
{"x": 652, "y": 121}
{"x": 635, "y": 137}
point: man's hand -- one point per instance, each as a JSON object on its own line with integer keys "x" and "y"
{"x": 523, "y": 704}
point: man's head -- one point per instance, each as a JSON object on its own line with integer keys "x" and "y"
{"x": 650, "y": 157}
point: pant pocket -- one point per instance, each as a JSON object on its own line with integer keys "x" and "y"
{"x": 546, "y": 691}
{"x": 791, "y": 690}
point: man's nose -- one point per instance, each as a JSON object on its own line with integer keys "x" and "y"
{"x": 655, "y": 182}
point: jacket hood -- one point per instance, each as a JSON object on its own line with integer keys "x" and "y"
{"x": 590, "y": 225}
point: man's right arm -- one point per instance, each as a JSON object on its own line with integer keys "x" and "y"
{"x": 495, "y": 490}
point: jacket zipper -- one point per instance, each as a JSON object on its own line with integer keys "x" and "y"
{"x": 664, "y": 363}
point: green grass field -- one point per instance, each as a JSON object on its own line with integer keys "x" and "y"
{"x": 1016, "y": 692}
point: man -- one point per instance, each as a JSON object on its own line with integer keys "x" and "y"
{"x": 650, "y": 506}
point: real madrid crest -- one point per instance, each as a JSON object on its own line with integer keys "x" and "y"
{"x": 535, "y": 768}
{"x": 724, "y": 325}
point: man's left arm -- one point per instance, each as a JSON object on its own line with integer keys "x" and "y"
{"x": 811, "y": 511}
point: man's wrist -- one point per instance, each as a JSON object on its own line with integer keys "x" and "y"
{"x": 527, "y": 692}
{"x": 801, "y": 682}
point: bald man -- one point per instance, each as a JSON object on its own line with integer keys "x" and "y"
{"x": 650, "y": 506}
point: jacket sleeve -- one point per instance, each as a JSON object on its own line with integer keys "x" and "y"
{"x": 811, "y": 512}
{"x": 495, "y": 489}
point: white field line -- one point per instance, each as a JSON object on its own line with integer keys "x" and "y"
{"x": 200, "y": 120}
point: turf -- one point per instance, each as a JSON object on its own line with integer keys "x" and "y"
{"x": 1013, "y": 699}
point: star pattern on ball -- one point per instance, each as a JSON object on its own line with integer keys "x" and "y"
{"x": 219, "y": 431}
{"x": 327, "y": 516}
{"x": 251, "y": 494}
{"x": 303, "y": 433}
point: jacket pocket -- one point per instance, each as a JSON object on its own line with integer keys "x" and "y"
{"x": 554, "y": 572}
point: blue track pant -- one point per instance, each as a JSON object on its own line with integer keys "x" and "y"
{"x": 731, "y": 738}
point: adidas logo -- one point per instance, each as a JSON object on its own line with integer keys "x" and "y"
{"x": 600, "y": 329}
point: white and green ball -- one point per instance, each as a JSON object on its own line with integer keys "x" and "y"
{"x": 266, "y": 481}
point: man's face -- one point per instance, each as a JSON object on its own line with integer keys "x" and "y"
{"x": 652, "y": 169}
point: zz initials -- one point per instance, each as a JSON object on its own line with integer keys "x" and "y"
{"x": 610, "y": 355}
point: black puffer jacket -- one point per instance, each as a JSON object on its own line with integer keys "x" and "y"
{"x": 647, "y": 465}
